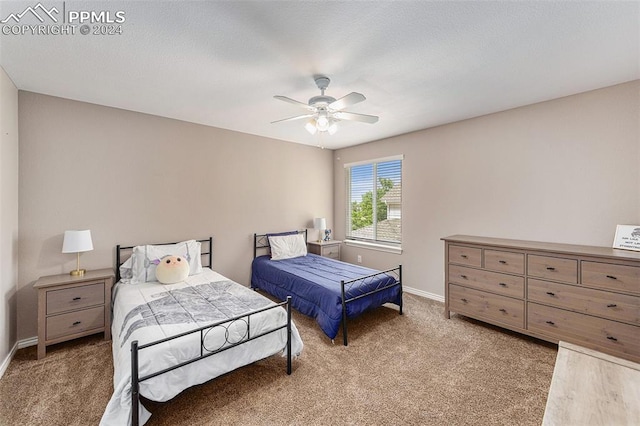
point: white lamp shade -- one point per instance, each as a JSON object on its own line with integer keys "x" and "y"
{"x": 319, "y": 223}
{"x": 77, "y": 241}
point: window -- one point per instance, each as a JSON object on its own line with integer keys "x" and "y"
{"x": 375, "y": 183}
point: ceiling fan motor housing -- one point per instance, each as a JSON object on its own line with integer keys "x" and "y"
{"x": 321, "y": 101}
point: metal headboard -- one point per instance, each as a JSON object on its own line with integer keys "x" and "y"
{"x": 206, "y": 253}
{"x": 261, "y": 241}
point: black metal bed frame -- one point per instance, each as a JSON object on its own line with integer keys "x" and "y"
{"x": 203, "y": 331}
{"x": 261, "y": 241}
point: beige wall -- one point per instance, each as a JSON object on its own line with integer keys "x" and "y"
{"x": 565, "y": 170}
{"x": 134, "y": 178}
{"x": 8, "y": 214}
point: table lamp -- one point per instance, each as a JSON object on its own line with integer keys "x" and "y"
{"x": 76, "y": 242}
{"x": 320, "y": 223}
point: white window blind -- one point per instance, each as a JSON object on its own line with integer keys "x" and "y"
{"x": 374, "y": 200}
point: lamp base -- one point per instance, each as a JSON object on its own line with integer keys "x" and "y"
{"x": 77, "y": 272}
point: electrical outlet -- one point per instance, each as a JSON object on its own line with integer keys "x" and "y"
{"x": 359, "y": 259}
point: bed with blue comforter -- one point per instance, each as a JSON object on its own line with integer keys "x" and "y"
{"x": 328, "y": 290}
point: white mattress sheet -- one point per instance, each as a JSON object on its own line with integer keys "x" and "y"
{"x": 147, "y": 312}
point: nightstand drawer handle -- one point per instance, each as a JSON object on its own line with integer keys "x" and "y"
{"x": 550, "y": 293}
{"x": 612, "y": 277}
{"x": 77, "y": 323}
{"x": 502, "y": 284}
{"x": 611, "y": 305}
{"x": 550, "y": 322}
{"x": 464, "y": 300}
{"x": 77, "y": 298}
{"x": 612, "y": 338}
{"x": 550, "y": 268}
{"x": 464, "y": 276}
{"x": 464, "y": 256}
{"x": 503, "y": 310}
{"x": 504, "y": 262}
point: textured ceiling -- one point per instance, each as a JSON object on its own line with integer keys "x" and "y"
{"x": 419, "y": 63}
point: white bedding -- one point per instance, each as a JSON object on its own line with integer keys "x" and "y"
{"x": 151, "y": 311}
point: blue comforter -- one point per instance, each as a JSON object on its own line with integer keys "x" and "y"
{"x": 314, "y": 284}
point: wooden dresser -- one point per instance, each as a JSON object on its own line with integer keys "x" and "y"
{"x": 584, "y": 295}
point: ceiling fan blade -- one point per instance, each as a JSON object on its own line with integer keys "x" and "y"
{"x": 364, "y": 118}
{"x": 293, "y": 101}
{"x": 345, "y": 101}
{"x": 299, "y": 117}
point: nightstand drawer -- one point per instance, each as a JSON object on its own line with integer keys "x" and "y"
{"x": 332, "y": 252}
{"x": 75, "y": 322}
{"x": 75, "y": 298}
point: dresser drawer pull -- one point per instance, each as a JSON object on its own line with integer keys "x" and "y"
{"x": 503, "y": 310}
{"x": 464, "y": 300}
{"x": 550, "y": 293}
{"x": 611, "y": 305}
{"x": 463, "y": 276}
{"x": 612, "y": 338}
{"x": 502, "y": 284}
{"x": 77, "y": 298}
{"x": 464, "y": 256}
{"x": 612, "y": 277}
{"x": 77, "y": 323}
{"x": 550, "y": 268}
{"x": 504, "y": 262}
{"x": 550, "y": 322}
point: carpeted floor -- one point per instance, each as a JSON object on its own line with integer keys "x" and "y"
{"x": 414, "y": 369}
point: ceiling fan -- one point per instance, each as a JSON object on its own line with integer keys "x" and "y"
{"x": 324, "y": 112}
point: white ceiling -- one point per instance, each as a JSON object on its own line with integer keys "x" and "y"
{"x": 419, "y": 63}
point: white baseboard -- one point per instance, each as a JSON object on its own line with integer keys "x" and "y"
{"x": 422, "y": 293}
{"x": 7, "y": 360}
{"x": 25, "y": 343}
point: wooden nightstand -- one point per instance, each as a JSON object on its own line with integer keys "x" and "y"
{"x": 70, "y": 307}
{"x": 325, "y": 248}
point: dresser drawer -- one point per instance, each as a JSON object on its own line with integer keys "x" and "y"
{"x": 610, "y": 336}
{"x": 504, "y": 261}
{"x": 465, "y": 255}
{"x": 508, "y": 285}
{"x": 491, "y": 307}
{"x": 611, "y": 277}
{"x": 553, "y": 268}
{"x": 618, "y": 307}
{"x": 74, "y": 322}
{"x": 75, "y": 298}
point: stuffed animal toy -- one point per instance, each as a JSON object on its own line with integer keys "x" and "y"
{"x": 172, "y": 269}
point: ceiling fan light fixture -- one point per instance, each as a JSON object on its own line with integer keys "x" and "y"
{"x": 311, "y": 126}
{"x": 333, "y": 128}
{"x": 322, "y": 122}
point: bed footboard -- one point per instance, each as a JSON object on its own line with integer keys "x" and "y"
{"x": 204, "y": 351}
{"x": 384, "y": 283}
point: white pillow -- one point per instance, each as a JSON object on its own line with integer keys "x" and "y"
{"x": 287, "y": 246}
{"x": 125, "y": 269}
{"x": 146, "y": 259}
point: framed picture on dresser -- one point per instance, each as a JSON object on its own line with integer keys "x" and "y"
{"x": 627, "y": 237}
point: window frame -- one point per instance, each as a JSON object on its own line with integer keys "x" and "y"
{"x": 382, "y": 245}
